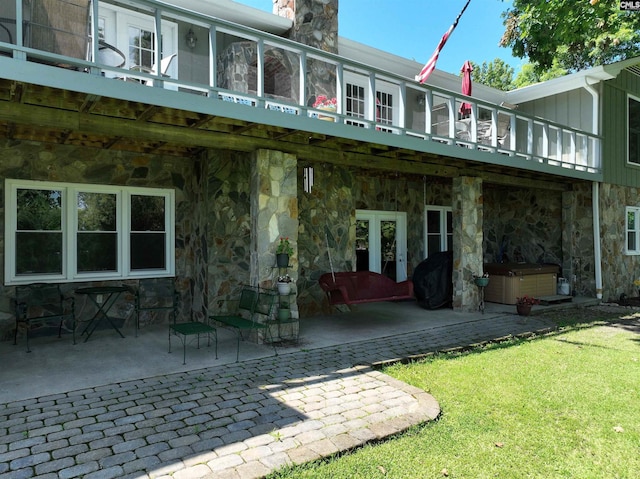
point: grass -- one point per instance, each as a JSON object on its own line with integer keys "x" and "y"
{"x": 563, "y": 406}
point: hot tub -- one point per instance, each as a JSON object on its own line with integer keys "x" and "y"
{"x": 508, "y": 281}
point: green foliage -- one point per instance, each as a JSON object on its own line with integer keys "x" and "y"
{"x": 528, "y": 74}
{"x": 577, "y": 34}
{"x": 496, "y": 74}
{"x": 284, "y": 247}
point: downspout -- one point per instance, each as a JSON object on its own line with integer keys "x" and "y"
{"x": 595, "y": 192}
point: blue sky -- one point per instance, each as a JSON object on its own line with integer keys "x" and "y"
{"x": 413, "y": 28}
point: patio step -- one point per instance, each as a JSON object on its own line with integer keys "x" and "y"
{"x": 555, "y": 299}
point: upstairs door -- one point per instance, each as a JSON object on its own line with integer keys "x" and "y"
{"x": 381, "y": 243}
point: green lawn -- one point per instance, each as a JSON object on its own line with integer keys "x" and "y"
{"x": 563, "y": 406}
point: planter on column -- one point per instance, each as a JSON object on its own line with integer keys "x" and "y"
{"x": 282, "y": 260}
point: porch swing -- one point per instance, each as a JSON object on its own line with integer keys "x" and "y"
{"x": 357, "y": 287}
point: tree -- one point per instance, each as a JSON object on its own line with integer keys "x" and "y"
{"x": 528, "y": 74}
{"x": 496, "y": 74}
{"x": 577, "y": 33}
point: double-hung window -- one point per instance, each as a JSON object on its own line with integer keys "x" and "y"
{"x": 59, "y": 232}
{"x": 633, "y": 229}
{"x": 633, "y": 132}
{"x": 438, "y": 229}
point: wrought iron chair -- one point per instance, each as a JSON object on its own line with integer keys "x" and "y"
{"x": 42, "y": 304}
{"x": 255, "y": 304}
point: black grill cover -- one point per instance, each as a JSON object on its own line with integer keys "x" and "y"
{"x": 432, "y": 281}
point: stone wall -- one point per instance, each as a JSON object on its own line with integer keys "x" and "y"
{"x": 237, "y": 71}
{"x": 326, "y": 234}
{"x": 327, "y": 220}
{"x": 619, "y": 269}
{"x": 524, "y": 224}
{"x": 228, "y": 227}
{"x": 44, "y": 162}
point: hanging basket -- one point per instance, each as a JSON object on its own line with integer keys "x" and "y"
{"x": 282, "y": 260}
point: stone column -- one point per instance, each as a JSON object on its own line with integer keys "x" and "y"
{"x": 274, "y": 214}
{"x": 467, "y": 241}
{"x": 315, "y": 22}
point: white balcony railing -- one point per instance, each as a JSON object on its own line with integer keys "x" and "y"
{"x": 232, "y": 63}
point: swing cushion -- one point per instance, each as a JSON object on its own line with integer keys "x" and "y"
{"x": 354, "y": 287}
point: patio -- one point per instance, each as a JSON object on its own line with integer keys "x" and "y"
{"x": 57, "y": 366}
{"x": 94, "y": 411}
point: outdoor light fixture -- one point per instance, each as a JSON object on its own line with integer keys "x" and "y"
{"x": 191, "y": 39}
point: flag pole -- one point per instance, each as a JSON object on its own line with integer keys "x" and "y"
{"x": 431, "y": 64}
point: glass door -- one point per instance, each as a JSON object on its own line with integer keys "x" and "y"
{"x": 381, "y": 243}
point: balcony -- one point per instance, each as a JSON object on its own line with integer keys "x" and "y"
{"x": 145, "y": 51}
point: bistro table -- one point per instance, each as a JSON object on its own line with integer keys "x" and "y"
{"x": 104, "y": 297}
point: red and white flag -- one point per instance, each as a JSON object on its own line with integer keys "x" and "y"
{"x": 431, "y": 64}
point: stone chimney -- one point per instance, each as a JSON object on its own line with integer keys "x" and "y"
{"x": 315, "y": 22}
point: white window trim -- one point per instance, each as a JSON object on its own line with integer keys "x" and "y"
{"x": 443, "y": 210}
{"x": 69, "y": 232}
{"x": 375, "y": 217}
{"x": 629, "y": 162}
{"x": 636, "y": 211}
{"x": 351, "y": 78}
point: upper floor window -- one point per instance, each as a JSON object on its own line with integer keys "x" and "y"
{"x": 67, "y": 232}
{"x": 355, "y": 104}
{"x": 356, "y": 94}
{"x": 633, "y": 229}
{"x": 634, "y": 130}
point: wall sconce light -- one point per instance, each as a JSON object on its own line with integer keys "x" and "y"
{"x": 191, "y": 39}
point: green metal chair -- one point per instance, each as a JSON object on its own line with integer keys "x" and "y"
{"x": 192, "y": 328}
{"x": 254, "y": 304}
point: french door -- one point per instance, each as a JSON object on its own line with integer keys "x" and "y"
{"x": 381, "y": 243}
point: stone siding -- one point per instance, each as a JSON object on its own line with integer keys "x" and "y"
{"x": 528, "y": 222}
{"x": 619, "y": 269}
{"x": 44, "y": 162}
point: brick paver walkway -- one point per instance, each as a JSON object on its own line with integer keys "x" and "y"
{"x": 234, "y": 421}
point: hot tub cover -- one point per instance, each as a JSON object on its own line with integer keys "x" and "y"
{"x": 519, "y": 269}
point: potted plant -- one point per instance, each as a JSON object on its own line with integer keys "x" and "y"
{"x": 283, "y": 252}
{"x": 284, "y": 313}
{"x": 326, "y": 104}
{"x": 524, "y": 304}
{"x": 284, "y": 284}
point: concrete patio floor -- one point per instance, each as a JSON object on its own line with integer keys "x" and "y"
{"x": 125, "y": 408}
{"x": 56, "y": 365}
